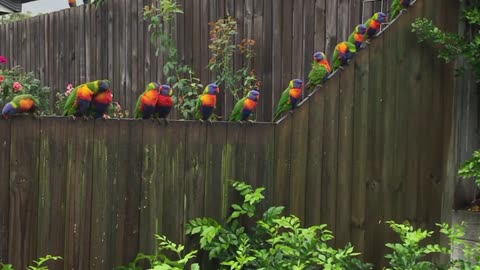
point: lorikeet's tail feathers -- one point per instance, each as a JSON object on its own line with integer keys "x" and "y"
{"x": 276, "y": 116}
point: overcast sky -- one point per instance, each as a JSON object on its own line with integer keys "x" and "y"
{"x": 45, "y": 6}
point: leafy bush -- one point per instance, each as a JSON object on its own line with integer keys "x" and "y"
{"x": 38, "y": 265}
{"x": 15, "y": 82}
{"x": 180, "y": 76}
{"x": 275, "y": 242}
{"x": 471, "y": 168}
{"x": 452, "y": 45}
{"x": 160, "y": 261}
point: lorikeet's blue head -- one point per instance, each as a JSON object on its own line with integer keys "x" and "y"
{"x": 166, "y": 91}
{"x": 405, "y": 3}
{"x": 318, "y": 56}
{"x": 213, "y": 89}
{"x": 254, "y": 95}
{"x": 103, "y": 86}
{"x": 297, "y": 83}
{"x": 380, "y": 17}
{"x": 361, "y": 29}
{"x": 8, "y": 110}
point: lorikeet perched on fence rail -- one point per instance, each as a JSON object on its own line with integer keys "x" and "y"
{"x": 373, "y": 24}
{"x": 290, "y": 98}
{"x": 147, "y": 101}
{"x": 397, "y": 6}
{"x": 358, "y": 36}
{"x": 100, "y": 104}
{"x": 72, "y": 3}
{"x": 320, "y": 70}
{"x": 164, "y": 102}
{"x": 20, "y": 104}
{"x": 78, "y": 102}
{"x": 343, "y": 53}
{"x": 245, "y": 106}
{"x": 207, "y": 102}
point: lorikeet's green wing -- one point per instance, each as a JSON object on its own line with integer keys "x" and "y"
{"x": 351, "y": 38}
{"x": 351, "y": 47}
{"x": 237, "y": 110}
{"x": 317, "y": 74}
{"x": 367, "y": 24}
{"x": 138, "y": 113}
{"x": 68, "y": 109}
{"x": 283, "y": 105}
{"x": 336, "y": 62}
{"x": 198, "y": 115}
{"x": 395, "y": 9}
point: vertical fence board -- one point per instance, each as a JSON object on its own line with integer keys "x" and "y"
{"x": 24, "y": 160}
{"x": 151, "y": 207}
{"x": 345, "y": 155}
{"x": 79, "y": 194}
{"x": 4, "y": 189}
{"x": 52, "y": 189}
{"x": 127, "y": 193}
{"x": 283, "y": 140}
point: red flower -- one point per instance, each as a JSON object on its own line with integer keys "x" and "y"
{"x": 17, "y": 86}
{"x": 3, "y": 59}
{"x": 2, "y": 78}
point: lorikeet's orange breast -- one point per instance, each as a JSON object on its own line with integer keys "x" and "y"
{"x": 26, "y": 105}
{"x": 296, "y": 93}
{"x": 375, "y": 24}
{"x": 150, "y": 98}
{"x": 105, "y": 97}
{"x": 326, "y": 64}
{"x": 164, "y": 101}
{"x": 85, "y": 93}
{"x": 249, "y": 104}
{"x": 358, "y": 37}
{"x": 209, "y": 100}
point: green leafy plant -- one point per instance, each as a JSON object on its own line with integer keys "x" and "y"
{"x": 161, "y": 261}
{"x": 180, "y": 76}
{"x": 275, "y": 242}
{"x": 13, "y": 17}
{"x": 15, "y": 82}
{"x": 223, "y": 48}
{"x": 451, "y": 45}
{"x": 471, "y": 168}
{"x": 38, "y": 265}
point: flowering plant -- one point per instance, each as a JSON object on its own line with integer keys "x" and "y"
{"x": 3, "y": 59}
{"x": 15, "y": 82}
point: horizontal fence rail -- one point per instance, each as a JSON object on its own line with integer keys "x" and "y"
{"x": 371, "y": 145}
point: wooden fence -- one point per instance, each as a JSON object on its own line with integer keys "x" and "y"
{"x": 372, "y": 145}
{"x": 84, "y": 43}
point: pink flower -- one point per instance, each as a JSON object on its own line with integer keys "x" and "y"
{"x": 69, "y": 89}
{"x": 2, "y": 78}
{"x": 17, "y": 86}
{"x": 3, "y": 59}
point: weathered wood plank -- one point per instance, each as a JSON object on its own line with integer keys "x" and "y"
{"x": 52, "y": 189}
{"x": 266, "y": 98}
{"x": 24, "y": 162}
{"x": 151, "y": 208}
{"x": 345, "y": 155}
{"x": 331, "y": 22}
{"x": 283, "y": 140}
{"x": 79, "y": 194}
{"x": 4, "y": 189}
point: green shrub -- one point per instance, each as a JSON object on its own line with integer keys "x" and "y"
{"x": 38, "y": 265}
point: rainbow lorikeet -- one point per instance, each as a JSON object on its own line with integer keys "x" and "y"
{"x": 147, "y": 101}
{"x": 358, "y": 36}
{"x": 207, "y": 102}
{"x": 373, "y": 24}
{"x": 20, "y": 104}
{"x": 343, "y": 53}
{"x": 290, "y": 98}
{"x": 320, "y": 70}
{"x": 78, "y": 102}
{"x": 72, "y": 3}
{"x": 164, "y": 102}
{"x": 100, "y": 104}
{"x": 397, "y": 6}
{"x": 245, "y": 106}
